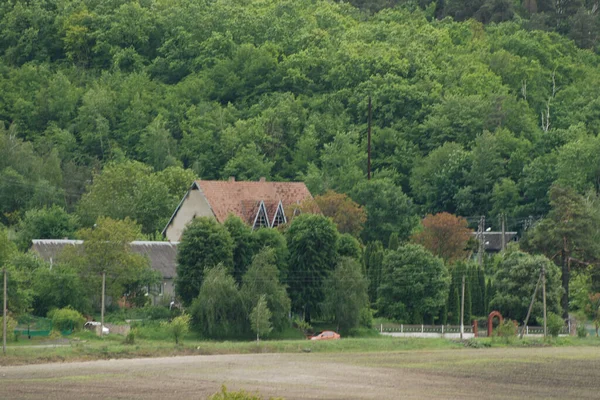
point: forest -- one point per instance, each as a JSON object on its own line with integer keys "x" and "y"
{"x": 110, "y": 108}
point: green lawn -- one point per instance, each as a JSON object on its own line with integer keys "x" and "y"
{"x": 87, "y": 346}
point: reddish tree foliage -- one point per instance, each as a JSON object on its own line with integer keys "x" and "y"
{"x": 347, "y": 215}
{"x": 445, "y": 235}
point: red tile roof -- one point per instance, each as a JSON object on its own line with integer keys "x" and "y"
{"x": 243, "y": 198}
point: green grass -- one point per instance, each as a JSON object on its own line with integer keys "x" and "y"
{"x": 150, "y": 342}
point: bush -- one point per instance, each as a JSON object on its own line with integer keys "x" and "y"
{"x": 66, "y": 319}
{"x": 11, "y": 325}
{"x": 554, "y": 324}
{"x": 507, "y": 330}
{"x": 130, "y": 338}
{"x": 158, "y": 312}
{"x": 365, "y": 318}
{"x": 581, "y": 331}
{"x": 178, "y": 327}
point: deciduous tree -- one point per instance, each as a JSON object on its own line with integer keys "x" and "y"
{"x": 204, "y": 244}
{"x": 445, "y": 235}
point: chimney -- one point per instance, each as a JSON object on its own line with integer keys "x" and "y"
{"x": 262, "y": 179}
{"x": 232, "y": 179}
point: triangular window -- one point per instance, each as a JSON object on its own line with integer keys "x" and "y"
{"x": 279, "y": 217}
{"x": 261, "y": 220}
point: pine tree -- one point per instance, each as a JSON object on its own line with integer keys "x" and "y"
{"x": 373, "y": 260}
{"x": 490, "y": 294}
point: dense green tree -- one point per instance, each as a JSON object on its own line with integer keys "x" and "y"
{"x": 262, "y": 279}
{"x": 311, "y": 240}
{"x": 414, "y": 286}
{"x": 106, "y": 248}
{"x": 515, "y": 280}
{"x": 46, "y": 223}
{"x": 373, "y": 259}
{"x": 437, "y": 178}
{"x": 240, "y": 234}
{"x": 348, "y": 246}
{"x": 274, "y": 239}
{"x": 128, "y": 189}
{"x": 59, "y": 287}
{"x": 218, "y": 311}
{"x": 389, "y": 210}
{"x": 567, "y": 234}
{"x": 204, "y": 244}
{"x": 345, "y": 294}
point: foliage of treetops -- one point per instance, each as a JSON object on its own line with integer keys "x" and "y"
{"x": 469, "y": 119}
{"x": 111, "y": 108}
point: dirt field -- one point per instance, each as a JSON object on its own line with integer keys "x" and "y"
{"x": 561, "y": 373}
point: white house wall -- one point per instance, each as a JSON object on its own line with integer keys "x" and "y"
{"x": 193, "y": 206}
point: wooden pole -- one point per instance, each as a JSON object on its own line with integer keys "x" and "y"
{"x": 462, "y": 309}
{"x": 503, "y": 233}
{"x": 102, "y": 310}
{"x": 4, "y": 316}
{"x": 531, "y": 305}
{"x": 369, "y": 142}
{"x": 544, "y": 297}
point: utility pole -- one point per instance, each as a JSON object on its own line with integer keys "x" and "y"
{"x": 503, "y": 216}
{"x": 531, "y": 305}
{"x": 544, "y": 297}
{"x": 102, "y": 310}
{"x": 481, "y": 237}
{"x": 369, "y": 142}
{"x": 4, "y": 316}
{"x": 462, "y": 309}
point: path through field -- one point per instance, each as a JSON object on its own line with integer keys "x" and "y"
{"x": 561, "y": 373}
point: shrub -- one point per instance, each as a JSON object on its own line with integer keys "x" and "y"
{"x": 65, "y": 319}
{"x": 158, "y": 312}
{"x": 554, "y": 324}
{"x": 178, "y": 327}
{"x": 366, "y": 317}
{"x": 130, "y": 338}
{"x": 581, "y": 331}
{"x": 507, "y": 330}
{"x": 11, "y": 325}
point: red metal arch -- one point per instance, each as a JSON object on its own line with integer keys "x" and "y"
{"x": 490, "y": 320}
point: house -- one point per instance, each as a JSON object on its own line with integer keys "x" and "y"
{"x": 258, "y": 204}
{"x": 493, "y": 240}
{"x": 162, "y": 256}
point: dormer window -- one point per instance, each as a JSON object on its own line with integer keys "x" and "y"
{"x": 261, "y": 220}
{"x": 279, "y": 217}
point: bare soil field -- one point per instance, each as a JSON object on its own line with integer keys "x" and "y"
{"x": 497, "y": 373}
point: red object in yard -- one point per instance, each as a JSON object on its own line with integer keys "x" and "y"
{"x": 325, "y": 335}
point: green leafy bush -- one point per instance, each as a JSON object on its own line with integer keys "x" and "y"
{"x": 11, "y": 324}
{"x": 554, "y": 324}
{"x": 581, "y": 331}
{"x": 365, "y": 318}
{"x": 157, "y": 312}
{"x": 130, "y": 338}
{"x": 65, "y": 319}
{"x": 506, "y": 330}
{"x": 178, "y": 327}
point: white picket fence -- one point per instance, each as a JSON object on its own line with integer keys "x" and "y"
{"x": 451, "y": 331}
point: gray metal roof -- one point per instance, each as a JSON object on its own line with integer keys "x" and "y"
{"x": 493, "y": 240}
{"x": 162, "y": 255}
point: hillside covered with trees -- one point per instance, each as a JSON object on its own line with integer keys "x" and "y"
{"x": 110, "y": 108}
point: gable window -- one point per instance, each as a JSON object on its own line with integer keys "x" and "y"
{"x": 279, "y": 217}
{"x": 261, "y": 220}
